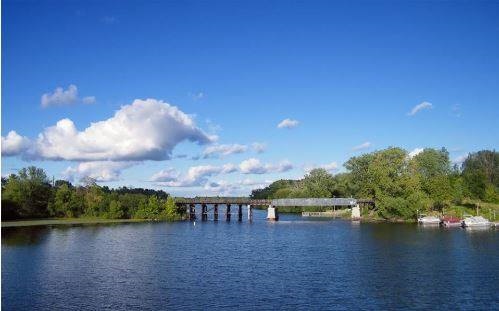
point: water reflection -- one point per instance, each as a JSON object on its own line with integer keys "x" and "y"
{"x": 289, "y": 264}
{"x": 24, "y": 235}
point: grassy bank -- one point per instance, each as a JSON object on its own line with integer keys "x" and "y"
{"x": 66, "y": 221}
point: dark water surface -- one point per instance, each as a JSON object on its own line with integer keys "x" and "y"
{"x": 290, "y": 264}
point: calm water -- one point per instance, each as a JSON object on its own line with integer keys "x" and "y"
{"x": 291, "y": 264}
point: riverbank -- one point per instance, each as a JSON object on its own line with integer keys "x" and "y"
{"x": 66, "y": 221}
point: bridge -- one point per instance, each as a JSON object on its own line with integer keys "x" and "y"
{"x": 213, "y": 203}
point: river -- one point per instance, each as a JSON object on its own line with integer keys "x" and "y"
{"x": 294, "y": 263}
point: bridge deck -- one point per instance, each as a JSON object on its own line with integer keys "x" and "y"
{"x": 275, "y": 202}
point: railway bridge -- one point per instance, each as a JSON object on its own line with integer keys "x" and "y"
{"x": 213, "y": 204}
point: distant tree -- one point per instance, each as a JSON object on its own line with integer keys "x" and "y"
{"x": 115, "y": 210}
{"x": 433, "y": 170}
{"x": 28, "y": 193}
{"x": 319, "y": 183}
{"x": 480, "y": 170}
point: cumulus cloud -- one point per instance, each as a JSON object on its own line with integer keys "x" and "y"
{"x": 288, "y": 123}
{"x": 199, "y": 175}
{"x": 14, "y": 144}
{"x": 169, "y": 174}
{"x": 362, "y": 146}
{"x": 254, "y": 166}
{"x": 330, "y": 167}
{"x": 460, "y": 159}
{"x": 415, "y": 152}
{"x": 424, "y": 105}
{"x": 145, "y": 130}
{"x": 240, "y": 187}
{"x": 223, "y": 150}
{"x": 61, "y": 97}
{"x": 101, "y": 171}
{"x": 88, "y": 100}
{"x": 259, "y": 147}
{"x": 195, "y": 176}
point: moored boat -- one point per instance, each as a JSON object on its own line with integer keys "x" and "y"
{"x": 450, "y": 221}
{"x": 428, "y": 220}
{"x": 476, "y": 221}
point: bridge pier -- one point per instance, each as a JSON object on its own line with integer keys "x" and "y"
{"x": 227, "y": 213}
{"x": 356, "y": 212}
{"x": 250, "y": 212}
{"x": 240, "y": 213}
{"x": 215, "y": 212}
{"x": 192, "y": 212}
{"x": 204, "y": 212}
{"x": 272, "y": 213}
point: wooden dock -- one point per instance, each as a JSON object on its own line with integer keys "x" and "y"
{"x": 329, "y": 213}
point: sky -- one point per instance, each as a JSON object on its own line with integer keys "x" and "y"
{"x": 222, "y": 97}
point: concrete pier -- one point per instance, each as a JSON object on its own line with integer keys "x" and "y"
{"x": 240, "y": 213}
{"x": 250, "y": 212}
{"x": 192, "y": 212}
{"x": 204, "y": 212}
{"x": 356, "y": 212}
{"x": 272, "y": 213}
{"x": 215, "y": 212}
{"x": 227, "y": 213}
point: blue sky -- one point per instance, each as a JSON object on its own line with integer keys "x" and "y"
{"x": 349, "y": 73}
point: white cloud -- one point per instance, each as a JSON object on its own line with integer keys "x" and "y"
{"x": 199, "y": 175}
{"x": 145, "y": 130}
{"x": 259, "y": 147}
{"x": 223, "y": 150}
{"x": 197, "y": 96}
{"x": 241, "y": 187}
{"x": 362, "y": 146}
{"x": 424, "y": 105}
{"x": 415, "y": 152}
{"x": 14, "y": 144}
{"x": 169, "y": 174}
{"x": 195, "y": 176}
{"x": 88, "y": 100}
{"x": 330, "y": 167}
{"x": 102, "y": 171}
{"x": 460, "y": 159}
{"x": 254, "y": 166}
{"x": 288, "y": 123}
{"x": 61, "y": 97}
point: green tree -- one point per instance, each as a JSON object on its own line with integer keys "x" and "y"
{"x": 115, "y": 210}
{"x": 433, "y": 170}
{"x": 319, "y": 183}
{"x": 171, "y": 212}
{"x": 61, "y": 207}
{"x": 28, "y": 193}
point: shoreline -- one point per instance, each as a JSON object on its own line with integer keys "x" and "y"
{"x": 67, "y": 221}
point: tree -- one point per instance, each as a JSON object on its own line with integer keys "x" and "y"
{"x": 115, "y": 210}
{"x": 433, "y": 169}
{"x": 94, "y": 201}
{"x": 27, "y": 194}
{"x": 171, "y": 212}
{"x": 480, "y": 170}
{"x": 61, "y": 207}
{"x": 319, "y": 183}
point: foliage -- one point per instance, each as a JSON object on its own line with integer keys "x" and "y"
{"x": 29, "y": 194}
{"x": 401, "y": 185}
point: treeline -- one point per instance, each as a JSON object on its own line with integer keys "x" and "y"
{"x": 401, "y": 185}
{"x": 30, "y": 194}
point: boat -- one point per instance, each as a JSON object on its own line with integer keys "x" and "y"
{"x": 476, "y": 221}
{"x": 428, "y": 220}
{"x": 450, "y": 221}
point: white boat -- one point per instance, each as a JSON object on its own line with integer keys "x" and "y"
{"x": 428, "y": 220}
{"x": 476, "y": 221}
